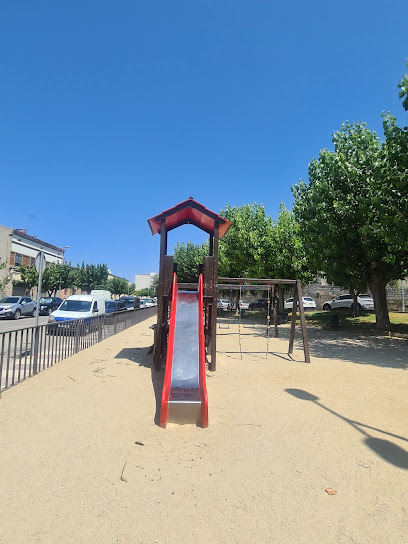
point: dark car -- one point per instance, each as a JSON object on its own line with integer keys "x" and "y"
{"x": 49, "y": 304}
{"x": 260, "y": 304}
{"x": 131, "y": 303}
{"x": 114, "y": 306}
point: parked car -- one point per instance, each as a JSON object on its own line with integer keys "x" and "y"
{"x": 365, "y": 302}
{"x": 15, "y": 307}
{"x": 114, "y": 306}
{"x": 243, "y": 305}
{"x": 49, "y": 304}
{"x": 308, "y": 303}
{"x": 260, "y": 304}
{"x": 131, "y": 303}
{"x": 223, "y": 304}
{"x": 149, "y": 302}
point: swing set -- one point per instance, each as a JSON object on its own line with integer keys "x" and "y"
{"x": 255, "y": 284}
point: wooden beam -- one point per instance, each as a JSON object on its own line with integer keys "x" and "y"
{"x": 262, "y": 281}
{"x": 303, "y": 322}
{"x": 213, "y": 364}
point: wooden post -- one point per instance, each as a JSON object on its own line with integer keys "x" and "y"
{"x": 213, "y": 364}
{"x": 160, "y": 307}
{"x": 211, "y": 248}
{"x": 293, "y": 322}
{"x": 303, "y": 322}
{"x": 275, "y": 317}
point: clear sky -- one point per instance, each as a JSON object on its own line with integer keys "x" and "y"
{"x": 113, "y": 111}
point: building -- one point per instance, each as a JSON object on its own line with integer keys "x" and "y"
{"x": 19, "y": 248}
{"x": 144, "y": 281}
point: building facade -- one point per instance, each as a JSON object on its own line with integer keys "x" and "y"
{"x": 19, "y": 248}
{"x": 144, "y": 281}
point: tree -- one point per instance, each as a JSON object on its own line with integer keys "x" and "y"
{"x": 92, "y": 276}
{"x": 117, "y": 286}
{"x": 403, "y": 93}
{"x": 288, "y": 258}
{"x": 188, "y": 258}
{"x": 29, "y": 276}
{"x": 6, "y": 279}
{"x": 244, "y": 250}
{"x": 58, "y": 276}
{"x": 347, "y": 216}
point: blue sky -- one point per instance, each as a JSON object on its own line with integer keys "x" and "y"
{"x": 112, "y": 112}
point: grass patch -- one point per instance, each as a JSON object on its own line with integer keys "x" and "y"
{"x": 365, "y": 321}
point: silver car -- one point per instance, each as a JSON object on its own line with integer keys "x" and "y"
{"x": 365, "y": 302}
{"x": 15, "y": 307}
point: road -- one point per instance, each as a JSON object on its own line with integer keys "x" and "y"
{"x": 22, "y": 323}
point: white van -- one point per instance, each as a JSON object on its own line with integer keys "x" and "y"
{"x": 79, "y": 307}
{"x": 107, "y": 295}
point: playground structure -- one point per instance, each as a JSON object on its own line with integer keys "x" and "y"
{"x": 185, "y": 333}
{"x": 186, "y": 339}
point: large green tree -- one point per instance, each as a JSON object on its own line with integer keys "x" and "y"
{"x": 117, "y": 286}
{"x": 29, "y": 276}
{"x": 187, "y": 258}
{"x": 348, "y": 218}
{"x": 90, "y": 276}
{"x": 245, "y": 249}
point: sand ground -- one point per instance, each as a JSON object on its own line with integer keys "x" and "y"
{"x": 83, "y": 461}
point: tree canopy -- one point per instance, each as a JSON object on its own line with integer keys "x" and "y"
{"x": 348, "y": 212}
{"x": 188, "y": 258}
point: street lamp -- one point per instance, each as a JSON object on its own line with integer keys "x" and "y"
{"x": 63, "y": 262}
{"x": 130, "y": 277}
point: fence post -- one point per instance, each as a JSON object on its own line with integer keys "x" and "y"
{"x": 76, "y": 334}
{"x": 100, "y": 326}
{"x": 35, "y": 350}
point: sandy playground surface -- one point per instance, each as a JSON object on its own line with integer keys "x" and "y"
{"x": 82, "y": 460}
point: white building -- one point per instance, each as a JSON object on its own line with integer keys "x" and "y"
{"x": 144, "y": 281}
{"x": 19, "y": 248}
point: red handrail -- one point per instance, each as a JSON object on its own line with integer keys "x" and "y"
{"x": 201, "y": 346}
{"x": 169, "y": 358}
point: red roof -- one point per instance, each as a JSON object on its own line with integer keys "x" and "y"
{"x": 189, "y": 212}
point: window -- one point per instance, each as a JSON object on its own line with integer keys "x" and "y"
{"x": 95, "y": 307}
{"x": 32, "y": 261}
{"x": 18, "y": 259}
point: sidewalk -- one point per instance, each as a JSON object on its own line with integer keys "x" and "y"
{"x": 83, "y": 461}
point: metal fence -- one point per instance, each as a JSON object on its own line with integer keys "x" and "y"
{"x": 25, "y": 352}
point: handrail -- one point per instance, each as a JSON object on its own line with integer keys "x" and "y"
{"x": 201, "y": 345}
{"x": 169, "y": 357}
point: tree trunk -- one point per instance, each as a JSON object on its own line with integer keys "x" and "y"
{"x": 377, "y": 287}
{"x": 281, "y": 296}
{"x": 355, "y": 308}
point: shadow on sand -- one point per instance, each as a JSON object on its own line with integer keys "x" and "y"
{"x": 390, "y": 452}
{"x": 142, "y": 357}
{"x": 381, "y": 351}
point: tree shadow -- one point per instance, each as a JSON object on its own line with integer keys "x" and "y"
{"x": 142, "y": 357}
{"x": 390, "y": 452}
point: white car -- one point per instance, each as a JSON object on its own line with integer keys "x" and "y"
{"x": 308, "y": 303}
{"x": 148, "y": 302}
{"x": 223, "y": 304}
{"x": 365, "y": 302}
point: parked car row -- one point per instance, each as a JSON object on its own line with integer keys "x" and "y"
{"x": 365, "y": 302}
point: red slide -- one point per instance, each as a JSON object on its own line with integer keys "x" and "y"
{"x": 184, "y": 396}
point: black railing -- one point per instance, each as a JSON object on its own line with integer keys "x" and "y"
{"x": 25, "y": 352}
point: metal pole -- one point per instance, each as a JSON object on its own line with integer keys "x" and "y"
{"x": 402, "y": 295}
{"x": 37, "y": 312}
